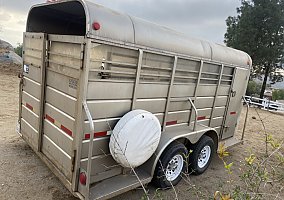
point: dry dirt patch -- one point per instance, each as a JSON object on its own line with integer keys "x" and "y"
{"x": 24, "y": 176}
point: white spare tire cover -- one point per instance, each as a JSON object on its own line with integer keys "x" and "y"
{"x": 135, "y": 138}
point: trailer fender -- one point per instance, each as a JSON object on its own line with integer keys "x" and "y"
{"x": 168, "y": 137}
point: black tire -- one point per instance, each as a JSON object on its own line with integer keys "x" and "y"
{"x": 174, "y": 149}
{"x": 194, "y": 168}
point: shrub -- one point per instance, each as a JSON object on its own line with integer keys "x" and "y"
{"x": 18, "y": 50}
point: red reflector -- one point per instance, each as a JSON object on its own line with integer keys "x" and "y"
{"x": 29, "y": 106}
{"x": 66, "y": 130}
{"x": 87, "y": 136}
{"x": 96, "y": 26}
{"x": 49, "y": 118}
{"x": 171, "y": 123}
{"x": 233, "y": 113}
{"x": 100, "y": 134}
{"x": 201, "y": 118}
{"x": 83, "y": 178}
{"x": 96, "y": 135}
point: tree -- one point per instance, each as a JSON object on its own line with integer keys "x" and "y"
{"x": 258, "y": 29}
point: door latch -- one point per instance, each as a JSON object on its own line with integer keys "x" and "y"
{"x": 233, "y": 93}
{"x": 226, "y": 128}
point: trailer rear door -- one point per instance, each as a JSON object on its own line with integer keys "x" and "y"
{"x": 31, "y": 87}
{"x": 235, "y": 102}
{"x": 48, "y": 96}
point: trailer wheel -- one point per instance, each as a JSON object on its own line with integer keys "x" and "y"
{"x": 200, "y": 158}
{"x": 170, "y": 166}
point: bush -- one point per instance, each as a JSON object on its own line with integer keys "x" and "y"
{"x": 253, "y": 89}
{"x": 278, "y": 95}
{"x": 18, "y": 50}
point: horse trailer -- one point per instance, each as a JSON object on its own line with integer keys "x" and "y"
{"x": 111, "y": 102}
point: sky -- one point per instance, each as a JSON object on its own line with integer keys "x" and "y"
{"x": 198, "y": 18}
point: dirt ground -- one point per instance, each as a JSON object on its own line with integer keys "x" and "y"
{"x": 24, "y": 176}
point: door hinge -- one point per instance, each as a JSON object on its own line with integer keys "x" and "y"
{"x": 73, "y": 161}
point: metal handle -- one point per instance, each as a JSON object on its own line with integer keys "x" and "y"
{"x": 245, "y": 123}
{"x": 233, "y": 93}
{"x": 196, "y": 114}
{"x": 90, "y": 152}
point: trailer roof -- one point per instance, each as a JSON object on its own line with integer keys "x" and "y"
{"x": 77, "y": 17}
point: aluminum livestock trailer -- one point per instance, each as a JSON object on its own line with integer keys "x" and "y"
{"x": 106, "y": 98}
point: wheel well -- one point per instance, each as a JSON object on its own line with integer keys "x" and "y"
{"x": 212, "y": 134}
{"x": 214, "y": 137}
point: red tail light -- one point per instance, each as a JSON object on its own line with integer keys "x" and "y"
{"x": 83, "y": 178}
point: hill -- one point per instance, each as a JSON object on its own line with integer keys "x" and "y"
{"x": 9, "y": 60}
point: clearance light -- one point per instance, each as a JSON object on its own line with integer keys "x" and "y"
{"x": 96, "y": 26}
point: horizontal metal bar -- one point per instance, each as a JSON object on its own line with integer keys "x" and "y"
{"x": 66, "y": 39}
{"x": 186, "y": 77}
{"x": 156, "y": 75}
{"x": 35, "y": 57}
{"x": 112, "y": 71}
{"x": 33, "y": 35}
{"x": 33, "y": 49}
{"x": 189, "y": 71}
{"x": 63, "y": 64}
{"x": 209, "y": 79}
{"x": 158, "y": 68}
{"x": 210, "y": 73}
{"x": 111, "y": 80}
{"x": 227, "y": 75}
{"x": 114, "y": 63}
{"x": 64, "y": 55}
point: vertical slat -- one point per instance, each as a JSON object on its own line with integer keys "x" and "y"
{"x": 42, "y": 96}
{"x": 169, "y": 93}
{"x": 216, "y": 94}
{"x": 196, "y": 88}
{"x": 138, "y": 72}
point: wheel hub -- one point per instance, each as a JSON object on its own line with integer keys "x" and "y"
{"x": 174, "y": 167}
{"x": 204, "y": 156}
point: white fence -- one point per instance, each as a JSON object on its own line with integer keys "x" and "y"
{"x": 264, "y": 103}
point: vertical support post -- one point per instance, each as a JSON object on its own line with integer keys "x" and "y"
{"x": 216, "y": 94}
{"x": 138, "y": 72}
{"x": 21, "y": 84}
{"x": 196, "y": 88}
{"x": 42, "y": 95}
{"x": 90, "y": 150}
{"x": 196, "y": 113}
{"x": 82, "y": 91}
{"x": 169, "y": 93}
